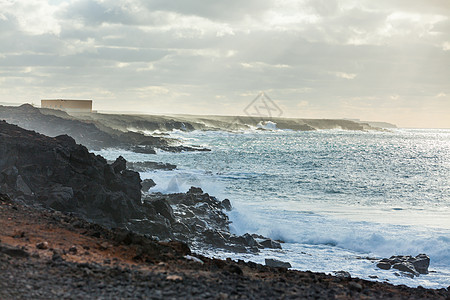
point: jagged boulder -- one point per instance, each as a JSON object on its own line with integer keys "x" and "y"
{"x": 59, "y": 174}
{"x": 406, "y": 263}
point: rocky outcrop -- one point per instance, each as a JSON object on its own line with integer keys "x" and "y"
{"x": 59, "y": 174}
{"x": 199, "y": 219}
{"x": 91, "y": 134}
{"x": 408, "y": 264}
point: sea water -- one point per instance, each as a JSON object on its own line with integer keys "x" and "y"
{"x": 334, "y": 197}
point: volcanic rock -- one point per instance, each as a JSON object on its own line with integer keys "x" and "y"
{"x": 277, "y": 263}
{"x": 409, "y": 264}
{"x": 147, "y": 184}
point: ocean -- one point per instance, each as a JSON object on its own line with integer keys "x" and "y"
{"x": 335, "y": 197}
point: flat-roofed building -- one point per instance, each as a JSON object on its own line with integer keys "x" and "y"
{"x": 68, "y": 105}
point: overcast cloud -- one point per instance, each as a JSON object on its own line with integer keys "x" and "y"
{"x": 373, "y": 60}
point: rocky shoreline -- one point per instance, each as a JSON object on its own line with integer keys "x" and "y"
{"x": 53, "y": 181}
{"x": 59, "y": 174}
{"x": 46, "y": 254}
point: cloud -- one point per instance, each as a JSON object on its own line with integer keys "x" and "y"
{"x": 230, "y": 10}
{"x": 197, "y": 53}
{"x": 345, "y": 75}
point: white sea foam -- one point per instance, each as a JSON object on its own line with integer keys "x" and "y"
{"x": 268, "y": 125}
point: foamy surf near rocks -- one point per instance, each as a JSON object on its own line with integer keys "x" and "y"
{"x": 200, "y": 220}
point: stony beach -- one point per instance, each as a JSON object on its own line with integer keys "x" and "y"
{"x": 47, "y": 254}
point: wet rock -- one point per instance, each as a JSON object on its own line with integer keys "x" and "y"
{"x": 226, "y": 204}
{"x": 195, "y": 190}
{"x": 421, "y": 263}
{"x": 268, "y": 243}
{"x": 407, "y": 264}
{"x": 405, "y": 267}
{"x": 147, "y": 184}
{"x": 384, "y": 265}
{"x": 277, "y": 263}
{"x": 342, "y": 274}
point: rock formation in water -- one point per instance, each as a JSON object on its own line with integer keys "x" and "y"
{"x": 408, "y": 265}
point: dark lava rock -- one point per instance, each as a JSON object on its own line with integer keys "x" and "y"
{"x": 421, "y": 263}
{"x": 150, "y": 165}
{"x": 277, "y": 263}
{"x": 407, "y": 264}
{"x": 14, "y": 252}
{"x": 195, "y": 190}
{"x": 147, "y": 184}
{"x": 384, "y": 265}
{"x": 405, "y": 267}
{"x": 200, "y": 221}
{"x": 342, "y": 274}
{"x": 59, "y": 174}
{"x": 119, "y": 165}
{"x": 161, "y": 206}
{"x": 226, "y": 204}
{"x": 270, "y": 244}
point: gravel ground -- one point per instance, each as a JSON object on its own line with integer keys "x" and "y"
{"x": 49, "y": 255}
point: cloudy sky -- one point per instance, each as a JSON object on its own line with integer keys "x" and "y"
{"x": 386, "y": 60}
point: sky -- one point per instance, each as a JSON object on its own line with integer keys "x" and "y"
{"x": 384, "y": 60}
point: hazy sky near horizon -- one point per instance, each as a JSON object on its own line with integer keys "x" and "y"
{"x": 373, "y": 60}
